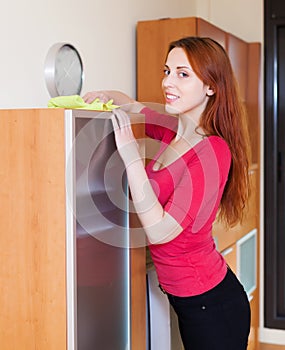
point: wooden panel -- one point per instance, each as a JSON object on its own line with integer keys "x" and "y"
{"x": 263, "y": 346}
{"x": 153, "y": 38}
{"x": 138, "y": 264}
{"x": 206, "y": 29}
{"x": 252, "y": 98}
{"x": 32, "y": 226}
{"x": 253, "y": 343}
{"x": 237, "y": 51}
{"x": 138, "y": 298}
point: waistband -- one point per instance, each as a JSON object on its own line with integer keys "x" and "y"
{"x": 227, "y": 288}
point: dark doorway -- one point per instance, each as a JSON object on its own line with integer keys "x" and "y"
{"x": 274, "y": 136}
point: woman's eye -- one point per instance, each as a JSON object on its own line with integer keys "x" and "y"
{"x": 166, "y": 71}
{"x": 182, "y": 74}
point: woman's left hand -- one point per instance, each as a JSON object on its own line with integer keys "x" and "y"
{"x": 126, "y": 142}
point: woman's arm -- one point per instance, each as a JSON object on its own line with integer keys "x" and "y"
{"x": 160, "y": 227}
{"x": 118, "y": 97}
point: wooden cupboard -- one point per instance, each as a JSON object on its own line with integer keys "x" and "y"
{"x": 153, "y": 37}
{"x": 41, "y": 276}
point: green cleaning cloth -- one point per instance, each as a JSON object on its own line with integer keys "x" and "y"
{"x": 77, "y": 102}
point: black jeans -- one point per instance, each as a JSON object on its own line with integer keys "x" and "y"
{"x": 216, "y": 320}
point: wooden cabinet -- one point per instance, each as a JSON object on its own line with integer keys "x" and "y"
{"x": 41, "y": 279}
{"x": 153, "y": 38}
{"x": 32, "y": 225}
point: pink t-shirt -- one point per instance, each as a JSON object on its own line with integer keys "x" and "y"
{"x": 190, "y": 190}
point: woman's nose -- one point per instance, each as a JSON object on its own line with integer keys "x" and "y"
{"x": 168, "y": 80}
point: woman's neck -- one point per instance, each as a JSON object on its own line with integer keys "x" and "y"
{"x": 188, "y": 127}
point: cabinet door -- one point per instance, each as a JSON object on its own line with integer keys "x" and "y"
{"x": 102, "y": 257}
{"x": 153, "y": 38}
{"x": 32, "y": 226}
{"x": 110, "y": 275}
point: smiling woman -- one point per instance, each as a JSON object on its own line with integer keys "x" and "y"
{"x": 201, "y": 169}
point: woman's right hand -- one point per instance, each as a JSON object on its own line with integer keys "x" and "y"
{"x": 91, "y": 96}
{"x": 119, "y": 98}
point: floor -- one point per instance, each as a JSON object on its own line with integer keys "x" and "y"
{"x": 271, "y": 347}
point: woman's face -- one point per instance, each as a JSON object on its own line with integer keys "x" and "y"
{"x": 184, "y": 92}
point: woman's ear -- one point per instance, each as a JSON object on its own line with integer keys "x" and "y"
{"x": 210, "y": 91}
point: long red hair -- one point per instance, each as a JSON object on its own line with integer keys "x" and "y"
{"x": 223, "y": 116}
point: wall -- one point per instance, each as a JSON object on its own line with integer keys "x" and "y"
{"x": 104, "y": 34}
{"x": 243, "y": 18}
{"x": 102, "y": 31}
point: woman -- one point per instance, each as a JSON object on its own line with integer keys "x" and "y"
{"x": 200, "y": 170}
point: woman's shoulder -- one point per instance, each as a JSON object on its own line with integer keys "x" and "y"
{"x": 214, "y": 147}
{"x": 221, "y": 149}
{"x": 218, "y": 142}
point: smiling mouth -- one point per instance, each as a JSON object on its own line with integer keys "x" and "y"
{"x": 171, "y": 97}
